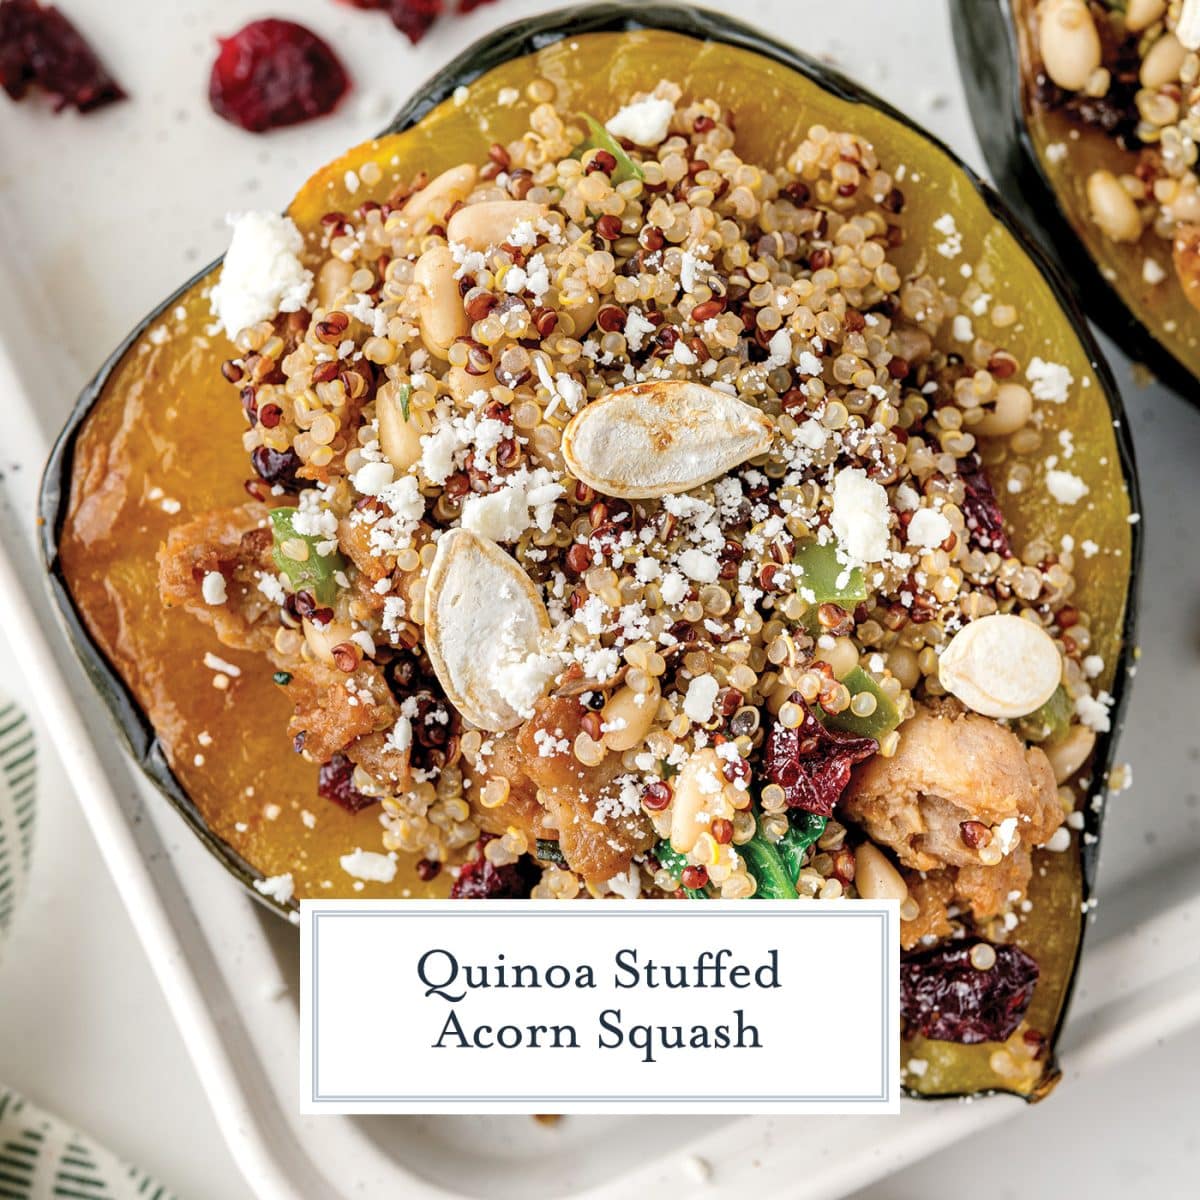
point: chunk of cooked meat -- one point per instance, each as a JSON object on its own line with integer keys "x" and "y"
{"x": 951, "y": 768}
{"x": 933, "y": 894}
{"x": 988, "y": 889}
{"x": 597, "y": 834}
{"x": 506, "y": 760}
{"x": 234, "y": 543}
{"x": 553, "y": 795}
{"x": 335, "y": 710}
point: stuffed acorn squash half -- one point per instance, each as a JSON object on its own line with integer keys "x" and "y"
{"x": 652, "y": 468}
{"x": 1088, "y": 114}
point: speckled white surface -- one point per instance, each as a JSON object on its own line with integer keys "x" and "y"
{"x": 99, "y": 218}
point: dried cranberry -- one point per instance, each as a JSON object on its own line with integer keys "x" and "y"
{"x": 479, "y": 879}
{"x": 943, "y": 996}
{"x": 39, "y": 45}
{"x": 812, "y": 763}
{"x": 985, "y": 522}
{"x": 274, "y": 73}
{"x": 335, "y": 781}
{"x": 278, "y": 467}
{"x": 413, "y": 17}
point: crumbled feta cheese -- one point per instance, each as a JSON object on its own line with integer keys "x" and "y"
{"x": 1007, "y": 836}
{"x": 860, "y": 516}
{"x": 701, "y": 694}
{"x": 1093, "y": 711}
{"x": 1049, "y": 381}
{"x": 1058, "y": 841}
{"x": 366, "y": 864}
{"x": 213, "y": 588}
{"x": 812, "y": 434}
{"x": 637, "y": 327}
{"x": 522, "y": 682}
{"x": 277, "y": 887}
{"x": 628, "y": 885}
{"x": 262, "y": 273}
{"x": 951, "y": 244}
{"x": 400, "y": 737}
{"x": 501, "y": 516}
{"x": 673, "y": 588}
{"x": 371, "y": 478}
{"x": 644, "y": 122}
{"x": 647, "y": 569}
{"x": 699, "y": 565}
{"x": 928, "y": 528}
{"x": 1152, "y": 272}
{"x": 1065, "y": 487}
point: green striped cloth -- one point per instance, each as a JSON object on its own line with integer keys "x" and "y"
{"x": 18, "y": 768}
{"x": 41, "y": 1157}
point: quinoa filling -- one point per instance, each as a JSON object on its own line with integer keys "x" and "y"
{"x": 620, "y": 525}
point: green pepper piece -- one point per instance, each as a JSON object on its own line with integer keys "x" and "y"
{"x": 671, "y": 860}
{"x": 315, "y": 573}
{"x": 283, "y": 678}
{"x": 804, "y": 828}
{"x": 601, "y": 139}
{"x": 765, "y": 863}
{"x": 1047, "y": 724}
{"x": 883, "y": 720}
{"x": 829, "y": 581}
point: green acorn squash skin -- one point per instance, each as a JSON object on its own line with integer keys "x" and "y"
{"x": 995, "y": 53}
{"x": 595, "y": 54}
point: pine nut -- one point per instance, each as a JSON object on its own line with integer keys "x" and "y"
{"x": 875, "y": 877}
{"x": 1113, "y": 208}
{"x": 442, "y": 193}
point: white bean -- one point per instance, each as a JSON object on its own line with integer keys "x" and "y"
{"x": 1141, "y": 14}
{"x": 1069, "y": 753}
{"x": 1011, "y": 411}
{"x": 631, "y": 714}
{"x": 690, "y": 799}
{"x": 441, "y": 194}
{"x": 1163, "y": 62}
{"x": 491, "y": 222}
{"x": 443, "y": 318}
{"x": 1113, "y": 208}
{"x": 875, "y": 877}
{"x": 1069, "y": 42}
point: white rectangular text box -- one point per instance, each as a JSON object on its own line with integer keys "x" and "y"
{"x": 528, "y": 1006}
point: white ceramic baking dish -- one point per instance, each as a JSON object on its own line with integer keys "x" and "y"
{"x": 229, "y": 971}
